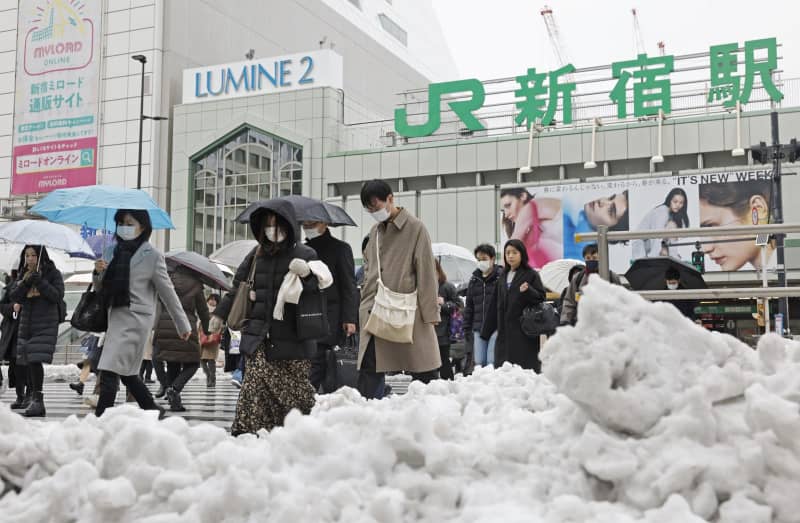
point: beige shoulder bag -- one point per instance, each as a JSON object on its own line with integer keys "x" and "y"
{"x": 392, "y": 316}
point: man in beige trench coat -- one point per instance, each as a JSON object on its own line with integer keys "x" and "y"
{"x": 407, "y": 265}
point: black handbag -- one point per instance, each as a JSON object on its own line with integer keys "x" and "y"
{"x": 539, "y": 319}
{"x": 91, "y": 314}
{"x": 312, "y": 315}
{"x": 341, "y": 366}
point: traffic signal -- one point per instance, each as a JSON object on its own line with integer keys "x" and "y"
{"x": 699, "y": 258}
{"x": 794, "y": 150}
{"x": 760, "y": 152}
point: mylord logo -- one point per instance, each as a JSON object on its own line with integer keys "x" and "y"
{"x": 321, "y": 68}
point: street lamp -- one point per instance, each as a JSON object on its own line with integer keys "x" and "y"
{"x": 142, "y": 59}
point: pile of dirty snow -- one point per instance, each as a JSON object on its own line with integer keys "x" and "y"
{"x": 641, "y": 416}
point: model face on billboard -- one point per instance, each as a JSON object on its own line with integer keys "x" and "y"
{"x": 606, "y": 210}
{"x": 512, "y": 206}
{"x": 677, "y": 203}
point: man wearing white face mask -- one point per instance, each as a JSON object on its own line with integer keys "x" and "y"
{"x": 399, "y": 254}
{"x": 342, "y": 296}
{"x": 672, "y": 281}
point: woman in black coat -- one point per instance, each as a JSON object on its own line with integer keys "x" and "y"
{"x": 277, "y": 356}
{"x": 448, "y": 302}
{"x": 40, "y": 294}
{"x": 17, "y": 376}
{"x": 520, "y": 286}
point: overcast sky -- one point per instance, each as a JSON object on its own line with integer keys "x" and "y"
{"x": 502, "y": 38}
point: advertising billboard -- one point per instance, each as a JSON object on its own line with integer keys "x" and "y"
{"x": 546, "y": 218}
{"x": 56, "y": 104}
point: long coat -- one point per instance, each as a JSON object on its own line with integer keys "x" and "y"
{"x": 167, "y": 345}
{"x": 512, "y": 344}
{"x": 129, "y": 327}
{"x": 270, "y": 270}
{"x": 407, "y": 264}
{"x": 342, "y": 296}
{"x": 9, "y": 326}
{"x": 39, "y": 318}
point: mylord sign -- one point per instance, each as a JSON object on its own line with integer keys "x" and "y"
{"x": 278, "y": 74}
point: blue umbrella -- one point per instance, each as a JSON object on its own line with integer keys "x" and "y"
{"x": 94, "y": 206}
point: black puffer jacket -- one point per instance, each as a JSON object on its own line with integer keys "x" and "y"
{"x": 447, "y": 291}
{"x": 167, "y": 346}
{"x": 479, "y": 293}
{"x": 9, "y": 327}
{"x": 270, "y": 271}
{"x": 342, "y": 297}
{"x": 39, "y": 317}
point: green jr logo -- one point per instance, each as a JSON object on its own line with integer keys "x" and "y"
{"x": 462, "y": 108}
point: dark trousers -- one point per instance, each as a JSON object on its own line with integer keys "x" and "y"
{"x": 20, "y": 378}
{"x": 372, "y": 384}
{"x": 179, "y": 374}
{"x": 161, "y": 373}
{"x": 146, "y": 370}
{"x": 36, "y": 376}
{"x": 109, "y": 385}
{"x": 446, "y": 370}
{"x": 319, "y": 366}
{"x": 210, "y": 370}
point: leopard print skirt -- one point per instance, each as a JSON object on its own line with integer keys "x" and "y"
{"x": 270, "y": 390}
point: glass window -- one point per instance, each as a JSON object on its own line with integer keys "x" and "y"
{"x": 394, "y": 29}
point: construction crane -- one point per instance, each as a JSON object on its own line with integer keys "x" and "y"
{"x": 638, "y": 40}
{"x": 559, "y": 48}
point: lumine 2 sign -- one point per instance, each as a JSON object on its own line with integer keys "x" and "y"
{"x": 538, "y": 92}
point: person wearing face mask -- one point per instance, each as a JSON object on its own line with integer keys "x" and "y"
{"x": 481, "y": 288}
{"x": 129, "y": 282}
{"x": 406, "y": 265}
{"x": 672, "y": 282}
{"x": 37, "y": 300}
{"x": 342, "y": 296}
{"x": 277, "y": 356}
{"x": 569, "y": 307}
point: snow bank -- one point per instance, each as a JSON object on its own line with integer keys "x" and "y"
{"x": 642, "y": 417}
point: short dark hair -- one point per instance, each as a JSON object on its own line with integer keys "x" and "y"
{"x": 364, "y": 243}
{"x": 520, "y": 247}
{"x": 589, "y": 249}
{"x": 143, "y": 217}
{"x": 672, "y": 274}
{"x": 486, "y": 249}
{"x": 623, "y": 222}
{"x": 516, "y": 192}
{"x": 213, "y": 296}
{"x": 375, "y": 189}
{"x": 575, "y": 270}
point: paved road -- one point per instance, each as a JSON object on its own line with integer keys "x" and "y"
{"x": 216, "y": 406}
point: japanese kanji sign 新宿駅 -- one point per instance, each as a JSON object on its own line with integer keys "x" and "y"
{"x": 56, "y": 106}
{"x": 643, "y": 81}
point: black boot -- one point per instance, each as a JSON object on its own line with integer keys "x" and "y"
{"x": 28, "y": 399}
{"x": 19, "y": 404}
{"x": 77, "y": 387}
{"x": 36, "y": 408}
{"x": 175, "y": 403}
{"x": 161, "y": 391}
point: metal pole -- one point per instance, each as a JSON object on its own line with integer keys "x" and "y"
{"x": 602, "y": 251}
{"x": 141, "y": 131}
{"x": 777, "y": 214}
{"x": 765, "y": 285}
{"x": 734, "y": 231}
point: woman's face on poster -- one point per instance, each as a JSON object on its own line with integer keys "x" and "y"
{"x": 607, "y": 210}
{"x": 677, "y": 203}
{"x": 730, "y": 256}
{"x": 511, "y": 206}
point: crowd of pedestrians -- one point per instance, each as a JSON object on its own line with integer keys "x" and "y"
{"x": 295, "y": 305}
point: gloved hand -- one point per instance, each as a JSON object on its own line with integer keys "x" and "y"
{"x": 299, "y": 267}
{"x": 35, "y": 277}
{"x": 215, "y": 324}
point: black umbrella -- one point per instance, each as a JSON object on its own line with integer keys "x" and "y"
{"x": 205, "y": 269}
{"x": 647, "y": 274}
{"x": 306, "y": 210}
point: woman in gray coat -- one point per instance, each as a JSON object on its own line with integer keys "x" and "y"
{"x": 129, "y": 283}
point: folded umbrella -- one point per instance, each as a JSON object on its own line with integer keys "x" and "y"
{"x": 306, "y": 210}
{"x": 647, "y": 274}
{"x": 40, "y": 232}
{"x": 205, "y": 269}
{"x": 95, "y": 206}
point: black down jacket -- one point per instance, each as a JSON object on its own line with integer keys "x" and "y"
{"x": 167, "y": 345}
{"x": 479, "y": 293}
{"x": 342, "y": 297}
{"x": 512, "y": 344}
{"x": 40, "y": 316}
{"x": 9, "y": 327}
{"x": 284, "y": 342}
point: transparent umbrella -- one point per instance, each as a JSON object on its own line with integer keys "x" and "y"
{"x": 233, "y": 254}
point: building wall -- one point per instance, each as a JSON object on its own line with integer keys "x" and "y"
{"x": 8, "y": 62}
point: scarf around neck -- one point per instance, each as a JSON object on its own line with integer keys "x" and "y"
{"x": 117, "y": 279}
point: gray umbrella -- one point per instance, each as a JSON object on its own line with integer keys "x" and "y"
{"x": 205, "y": 269}
{"x": 233, "y": 254}
{"x": 307, "y": 210}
